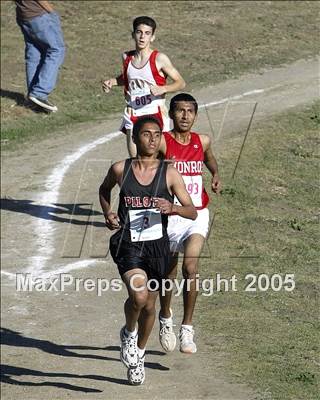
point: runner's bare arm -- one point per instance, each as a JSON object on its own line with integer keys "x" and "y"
{"x": 117, "y": 81}
{"x": 109, "y": 83}
{"x": 177, "y": 186}
{"x": 211, "y": 163}
{"x": 164, "y": 64}
{"x": 113, "y": 177}
{"x": 163, "y": 146}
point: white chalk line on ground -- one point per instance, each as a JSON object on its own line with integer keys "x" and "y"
{"x": 44, "y": 228}
{"x": 8, "y": 274}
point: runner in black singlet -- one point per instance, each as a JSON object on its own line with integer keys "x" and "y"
{"x": 140, "y": 248}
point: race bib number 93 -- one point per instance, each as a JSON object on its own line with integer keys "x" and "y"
{"x": 194, "y": 188}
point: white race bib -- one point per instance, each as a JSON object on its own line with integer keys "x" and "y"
{"x": 194, "y": 188}
{"x": 141, "y": 100}
{"x": 145, "y": 224}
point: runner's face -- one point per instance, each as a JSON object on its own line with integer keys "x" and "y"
{"x": 149, "y": 139}
{"x": 143, "y": 36}
{"x": 183, "y": 116}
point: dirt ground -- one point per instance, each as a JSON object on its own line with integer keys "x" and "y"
{"x": 65, "y": 344}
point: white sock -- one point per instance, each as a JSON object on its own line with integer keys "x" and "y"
{"x": 141, "y": 352}
{"x": 165, "y": 319}
{"x": 130, "y": 334}
{"x": 189, "y": 327}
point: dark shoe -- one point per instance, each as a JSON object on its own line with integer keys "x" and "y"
{"x": 43, "y": 103}
{"x": 30, "y": 105}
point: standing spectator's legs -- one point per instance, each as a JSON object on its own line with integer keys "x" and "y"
{"x": 48, "y": 35}
{"x": 44, "y": 54}
{"x": 34, "y": 56}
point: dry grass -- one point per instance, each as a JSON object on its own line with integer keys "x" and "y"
{"x": 208, "y": 42}
{"x": 268, "y": 212}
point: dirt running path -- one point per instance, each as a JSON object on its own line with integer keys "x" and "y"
{"x": 61, "y": 345}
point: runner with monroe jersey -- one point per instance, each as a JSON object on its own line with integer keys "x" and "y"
{"x": 188, "y": 151}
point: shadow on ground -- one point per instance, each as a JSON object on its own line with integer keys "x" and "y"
{"x": 50, "y": 212}
{"x": 21, "y": 101}
{"x": 16, "y": 339}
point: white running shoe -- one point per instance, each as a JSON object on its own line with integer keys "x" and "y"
{"x": 137, "y": 375}
{"x": 167, "y": 336}
{"x": 128, "y": 349}
{"x": 187, "y": 344}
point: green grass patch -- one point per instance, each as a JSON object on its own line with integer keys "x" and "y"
{"x": 208, "y": 42}
{"x": 266, "y": 222}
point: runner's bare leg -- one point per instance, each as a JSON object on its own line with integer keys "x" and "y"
{"x": 192, "y": 250}
{"x": 132, "y": 148}
{"x": 146, "y": 320}
{"x": 165, "y": 301}
{"x": 137, "y": 298}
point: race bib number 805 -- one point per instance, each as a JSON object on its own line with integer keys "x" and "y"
{"x": 143, "y": 100}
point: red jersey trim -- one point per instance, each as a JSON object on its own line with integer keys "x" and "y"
{"x": 160, "y": 80}
{"x": 125, "y": 69}
{"x": 134, "y": 119}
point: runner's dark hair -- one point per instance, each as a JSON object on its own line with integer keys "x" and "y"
{"x": 144, "y": 20}
{"x": 144, "y": 120}
{"x": 183, "y": 97}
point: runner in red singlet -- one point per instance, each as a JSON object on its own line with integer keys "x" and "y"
{"x": 189, "y": 151}
{"x": 144, "y": 77}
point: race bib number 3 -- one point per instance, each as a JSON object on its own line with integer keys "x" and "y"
{"x": 145, "y": 224}
{"x": 194, "y": 188}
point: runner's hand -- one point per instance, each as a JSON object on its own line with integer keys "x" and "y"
{"x": 107, "y": 85}
{"x": 163, "y": 205}
{"x": 112, "y": 221}
{"x": 216, "y": 184}
{"x": 157, "y": 90}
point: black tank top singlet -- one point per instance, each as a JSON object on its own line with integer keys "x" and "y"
{"x": 139, "y": 218}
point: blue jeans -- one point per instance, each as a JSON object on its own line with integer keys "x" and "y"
{"x": 44, "y": 52}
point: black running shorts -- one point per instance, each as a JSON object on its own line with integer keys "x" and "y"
{"x": 151, "y": 256}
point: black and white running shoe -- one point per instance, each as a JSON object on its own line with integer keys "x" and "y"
{"x": 128, "y": 349}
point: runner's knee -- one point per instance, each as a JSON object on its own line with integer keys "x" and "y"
{"x": 190, "y": 269}
{"x": 139, "y": 299}
{"x": 172, "y": 274}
